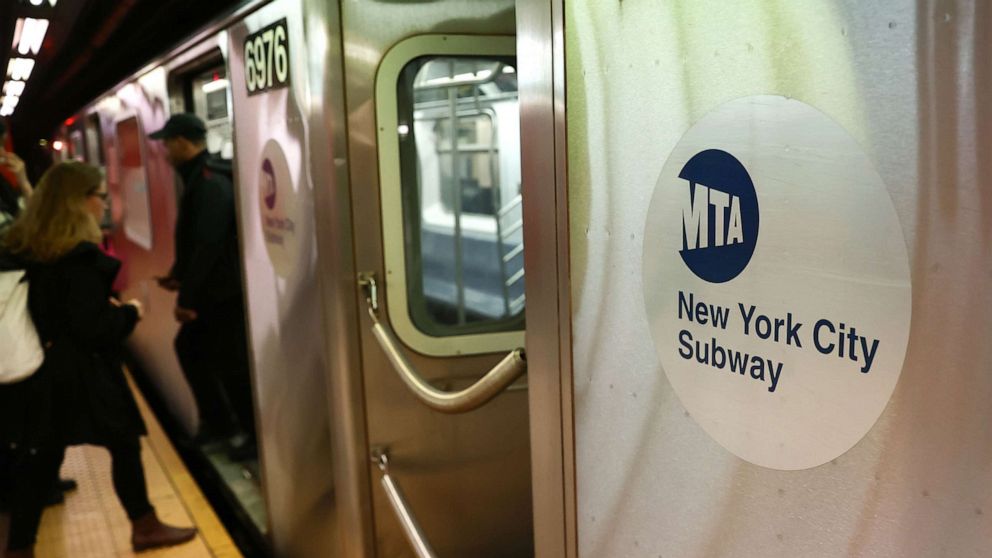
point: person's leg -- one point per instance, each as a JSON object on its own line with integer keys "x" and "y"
{"x": 128, "y": 476}
{"x": 243, "y": 447}
{"x": 193, "y": 351}
{"x": 236, "y": 373}
{"x": 6, "y": 470}
{"x": 132, "y": 491}
{"x": 55, "y": 493}
{"x": 32, "y": 476}
{"x": 228, "y": 358}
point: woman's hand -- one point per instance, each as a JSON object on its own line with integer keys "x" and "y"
{"x": 133, "y": 302}
{"x": 137, "y": 306}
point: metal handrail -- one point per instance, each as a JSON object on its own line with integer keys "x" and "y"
{"x": 403, "y": 513}
{"x": 478, "y": 394}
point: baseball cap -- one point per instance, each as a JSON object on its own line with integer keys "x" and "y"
{"x": 184, "y": 125}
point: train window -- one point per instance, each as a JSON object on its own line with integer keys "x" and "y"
{"x": 464, "y": 270}
{"x": 211, "y": 102}
{"x": 134, "y": 183}
{"x": 452, "y": 211}
{"x": 93, "y": 137}
{"x": 76, "y": 150}
{"x": 94, "y": 141}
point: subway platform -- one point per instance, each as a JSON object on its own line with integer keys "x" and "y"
{"x": 92, "y": 524}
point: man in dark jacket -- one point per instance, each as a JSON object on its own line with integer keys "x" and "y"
{"x": 211, "y": 344}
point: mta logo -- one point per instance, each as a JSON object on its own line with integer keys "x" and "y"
{"x": 696, "y": 216}
{"x": 719, "y": 216}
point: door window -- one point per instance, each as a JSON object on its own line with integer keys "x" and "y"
{"x": 460, "y": 178}
{"x": 452, "y": 210}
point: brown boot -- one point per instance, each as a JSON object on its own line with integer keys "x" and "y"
{"x": 148, "y": 532}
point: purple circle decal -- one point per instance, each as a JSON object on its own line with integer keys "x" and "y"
{"x": 269, "y": 184}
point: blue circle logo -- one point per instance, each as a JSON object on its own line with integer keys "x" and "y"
{"x": 719, "y": 216}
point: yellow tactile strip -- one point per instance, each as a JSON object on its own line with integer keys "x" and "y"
{"x": 92, "y": 523}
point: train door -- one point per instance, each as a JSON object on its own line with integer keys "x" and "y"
{"x": 270, "y": 85}
{"x": 433, "y": 137}
{"x": 199, "y": 84}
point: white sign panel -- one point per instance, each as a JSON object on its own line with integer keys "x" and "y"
{"x": 137, "y": 212}
{"x": 277, "y": 206}
{"x": 776, "y": 282}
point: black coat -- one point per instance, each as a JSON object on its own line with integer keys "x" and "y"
{"x": 80, "y": 394}
{"x": 9, "y": 198}
{"x": 207, "y": 264}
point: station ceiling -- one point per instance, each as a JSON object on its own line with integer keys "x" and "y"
{"x": 89, "y": 47}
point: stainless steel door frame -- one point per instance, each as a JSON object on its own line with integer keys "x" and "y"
{"x": 328, "y": 127}
{"x": 540, "y": 32}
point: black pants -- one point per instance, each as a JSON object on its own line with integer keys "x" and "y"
{"x": 213, "y": 352}
{"x": 6, "y": 472}
{"x": 32, "y": 481}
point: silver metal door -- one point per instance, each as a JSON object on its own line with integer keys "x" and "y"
{"x": 278, "y": 235}
{"x": 466, "y": 477}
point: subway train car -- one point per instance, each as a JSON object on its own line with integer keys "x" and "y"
{"x": 268, "y": 80}
{"x": 751, "y": 317}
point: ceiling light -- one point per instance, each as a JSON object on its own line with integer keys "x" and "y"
{"x": 13, "y": 88}
{"x": 18, "y": 27}
{"x": 10, "y": 101}
{"x": 57, "y": 145}
{"x": 31, "y": 34}
{"x": 36, "y": 2}
{"x": 6, "y": 111}
{"x": 53, "y": 2}
{"x": 20, "y": 68}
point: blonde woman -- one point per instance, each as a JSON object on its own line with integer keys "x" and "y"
{"x": 79, "y": 395}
